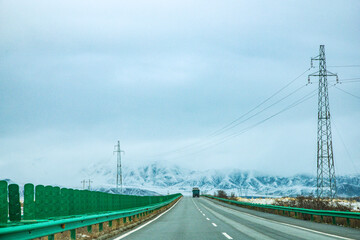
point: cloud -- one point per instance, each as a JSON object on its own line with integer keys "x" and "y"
{"x": 77, "y": 76}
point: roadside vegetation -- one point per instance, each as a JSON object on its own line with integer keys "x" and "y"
{"x": 223, "y": 194}
{"x": 311, "y": 202}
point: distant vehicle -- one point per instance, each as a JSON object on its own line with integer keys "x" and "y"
{"x": 196, "y": 192}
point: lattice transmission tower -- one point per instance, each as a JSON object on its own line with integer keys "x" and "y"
{"x": 118, "y": 167}
{"x": 326, "y": 180}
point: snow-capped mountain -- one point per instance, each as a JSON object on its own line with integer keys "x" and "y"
{"x": 165, "y": 179}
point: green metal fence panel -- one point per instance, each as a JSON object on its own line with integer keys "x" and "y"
{"x": 72, "y": 203}
{"x": 39, "y": 200}
{"x": 51, "y": 200}
{"x": 4, "y": 206}
{"x": 29, "y": 202}
{"x": 46, "y": 202}
{"x": 14, "y": 203}
{"x": 56, "y": 201}
{"x": 63, "y": 203}
{"x": 47, "y": 228}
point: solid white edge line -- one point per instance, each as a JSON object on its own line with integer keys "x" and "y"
{"x": 214, "y": 224}
{"x": 287, "y": 224}
{"x": 227, "y": 235}
{"x": 140, "y": 227}
{"x": 302, "y": 228}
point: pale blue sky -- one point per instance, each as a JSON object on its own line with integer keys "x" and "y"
{"x": 76, "y": 76}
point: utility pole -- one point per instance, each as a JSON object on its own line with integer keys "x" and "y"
{"x": 326, "y": 180}
{"x": 89, "y": 188}
{"x": 83, "y": 182}
{"x": 118, "y": 151}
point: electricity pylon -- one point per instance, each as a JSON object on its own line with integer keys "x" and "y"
{"x": 326, "y": 180}
{"x": 89, "y": 187}
{"x": 83, "y": 182}
{"x": 118, "y": 169}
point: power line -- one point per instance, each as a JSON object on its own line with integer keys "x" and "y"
{"x": 266, "y": 100}
{"x": 341, "y": 66}
{"x": 347, "y": 80}
{"x": 206, "y": 142}
{"x": 346, "y": 149}
{"x": 350, "y": 81}
{"x": 347, "y": 92}
{"x": 230, "y": 136}
{"x": 264, "y": 109}
{"x": 236, "y": 122}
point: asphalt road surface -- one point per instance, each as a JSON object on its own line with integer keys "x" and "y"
{"x": 201, "y": 218}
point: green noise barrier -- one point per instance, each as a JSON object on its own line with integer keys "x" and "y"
{"x": 49, "y": 210}
{"x": 47, "y": 202}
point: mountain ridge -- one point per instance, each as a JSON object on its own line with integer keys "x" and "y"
{"x": 164, "y": 178}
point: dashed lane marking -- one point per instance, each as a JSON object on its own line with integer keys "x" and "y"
{"x": 227, "y": 235}
{"x": 214, "y": 224}
{"x": 286, "y": 224}
{"x": 207, "y": 219}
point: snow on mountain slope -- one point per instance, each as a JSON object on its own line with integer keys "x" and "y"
{"x": 164, "y": 179}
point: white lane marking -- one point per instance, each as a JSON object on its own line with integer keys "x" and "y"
{"x": 240, "y": 227}
{"x": 287, "y": 224}
{"x": 203, "y": 214}
{"x": 140, "y": 227}
{"x": 214, "y": 224}
{"x": 227, "y": 235}
{"x": 207, "y": 219}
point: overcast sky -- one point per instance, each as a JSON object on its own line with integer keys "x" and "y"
{"x": 161, "y": 76}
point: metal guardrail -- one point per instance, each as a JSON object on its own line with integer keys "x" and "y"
{"x": 48, "y": 228}
{"x": 311, "y": 212}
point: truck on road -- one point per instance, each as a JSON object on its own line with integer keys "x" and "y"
{"x": 196, "y": 192}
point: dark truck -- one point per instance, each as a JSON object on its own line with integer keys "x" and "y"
{"x": 196, "y": 192}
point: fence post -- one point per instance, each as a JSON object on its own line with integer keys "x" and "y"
{"x": 3, "y": 202}
{"x": 39, "y": 201}
{"x": 73, "y": 234}
{"x": 48, "y": 202}
{"x": 56, "y": 201}
{"x": 29, "y": 202}
{"x": 14, "y": 203}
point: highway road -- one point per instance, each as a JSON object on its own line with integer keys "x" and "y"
{"x": 202, "y": 218}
